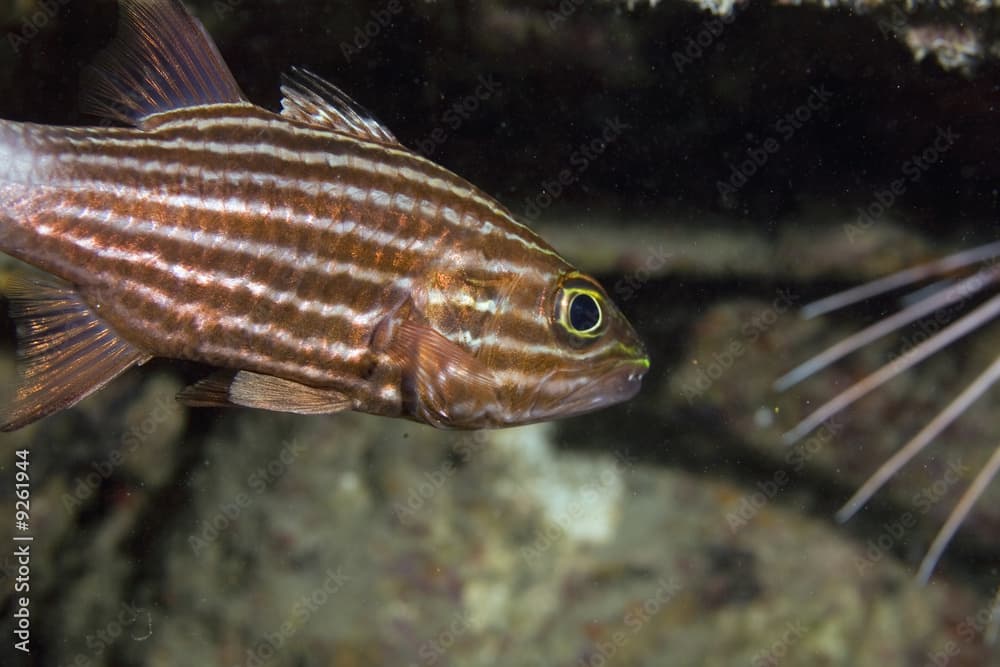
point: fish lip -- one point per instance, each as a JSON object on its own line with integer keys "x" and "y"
{"x": 621, "y": 382}
{"x": 627, "y": 379}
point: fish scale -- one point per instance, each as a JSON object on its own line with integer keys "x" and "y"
{"x": 309, "y": 257}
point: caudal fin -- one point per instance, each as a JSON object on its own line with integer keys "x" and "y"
{"x": 65, "y": 352}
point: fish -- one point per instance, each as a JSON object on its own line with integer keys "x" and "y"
{"x": 307, "y": 257}
{"x": 961, "y": 278}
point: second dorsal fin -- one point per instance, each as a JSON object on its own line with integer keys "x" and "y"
{"x": 314, "y": 100}
{"x": 162, "y": 59}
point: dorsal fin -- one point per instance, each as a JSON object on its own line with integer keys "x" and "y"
{"x": 162, "y": 59}
{"x": 311, "y": 99}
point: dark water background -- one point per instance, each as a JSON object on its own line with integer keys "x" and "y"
{"x": 717, "y": 174}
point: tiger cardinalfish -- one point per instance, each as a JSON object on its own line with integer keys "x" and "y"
{"x": 968, "y": 274}
{"x": 318, "y": 264}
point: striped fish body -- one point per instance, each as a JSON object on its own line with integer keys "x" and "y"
{"x": 316, "y": 261}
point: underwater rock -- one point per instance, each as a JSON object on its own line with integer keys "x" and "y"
{"x": 715, "y": 249}
{"x": 958, "y": 38}
{"x": 246, "y": 539}
{"x": 740, "y": 346}
{"x": 352, "y": 540}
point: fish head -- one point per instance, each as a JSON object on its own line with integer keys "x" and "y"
{"x": 572, "y": 352}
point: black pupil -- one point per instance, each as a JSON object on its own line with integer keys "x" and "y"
{"x": 584, "y": 313}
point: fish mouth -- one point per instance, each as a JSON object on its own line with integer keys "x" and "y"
{"x": 621, "y": 382}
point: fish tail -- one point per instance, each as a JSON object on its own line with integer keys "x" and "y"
{"x": 65, "y": 350}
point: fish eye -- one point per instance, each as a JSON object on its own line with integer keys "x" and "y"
{"x": 580, "y": 311}
{"x": 584, "y": 312}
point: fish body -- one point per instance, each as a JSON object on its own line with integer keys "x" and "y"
{"x": 315, "y": 261}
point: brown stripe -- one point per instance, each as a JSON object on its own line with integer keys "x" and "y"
{"x": 181, "y": 142}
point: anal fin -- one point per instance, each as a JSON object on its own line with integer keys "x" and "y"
{"x": 266, "y": 392}
{"x": 65, "y": 351}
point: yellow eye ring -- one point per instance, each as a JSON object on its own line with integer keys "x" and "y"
{"x": 581, "y": 314}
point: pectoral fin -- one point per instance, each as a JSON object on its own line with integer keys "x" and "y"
{"x": 65, "y": 351}
{"x": 255, "y": 390}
